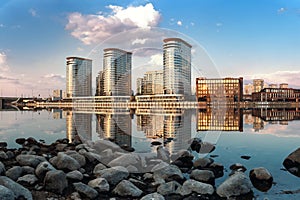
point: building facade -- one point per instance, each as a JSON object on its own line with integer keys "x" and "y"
{"x": 79, "y": 77}
{"x": 277, "y": 94}
{"x": 117, "y": 72}
{"x": 176, "y": 66}
{"x": 100, "y": 84}
{"x": 258, "y": 85}
{"x": 220, "y": 90}
{"x": 151, "y": 83}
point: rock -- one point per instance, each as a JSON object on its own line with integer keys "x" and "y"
{"x": 236, "y": 185}
{"x": 20, "y": 141}
{"x": 163, "y": 154}
{"x": 91, "y": 157}
{"x": 114, "y": 174}
{"x": 16, "y": 188}
{"x": 99, "y": 167}
{"x": 29, "y": 160}
{"x": 3, "y": 145}
{"x": 191, "y": 185}
{"x": 292, "y": 162}
{"x": 159, "y": 166}
{"x": 156, "y": 143}
{"x": 75, "y": 175}
{"x": 206, "y": 147}
{"x": 183, "y": 160}
{"x": 31, "y": 141}
{"x": 60, "y": 147}
{"x": 168, "y": 188}
{"x": 78, "y": 157}
{"x": 6, "y": 194}
{"x": 3, "y": 155}
{"x": 85, "y": 190}
{"x": 55, "y": 181}
{"x": 217, "y": 169}
{"x": 100, "y": 184}
{"x": 65, "y": 162}
{"x": 138, "y": 183}
{"x": 2, "y": 169}
{"x": 246, "y": 157}
{"x": 14, "y": 173}
{"x": 27, "y": 180}
{"x": 204, "y": 176}
{"x": 182, "y": 153}
{"x": 124, "y": 160}
{"x": 42, "y": 169}
{"x": 132, "y": 169}
{"x": 203, "y": 162}
{"x": 27, "y": 170}
{"x": 10, "y": 154}
{"x": 127, "y": 148}
{"x": 153, "y": 196}
{"x": 126, "y": 188}
{"x": 75, "y": 196}
{"x": 261, "y": 179}
{"x": 101, "y": 145}
{"x": 168, "y": 173}
{"x": 237, "y": 167}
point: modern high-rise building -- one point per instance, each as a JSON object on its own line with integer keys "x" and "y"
{"x": 176, "y": 66}
{"x": 151, "y": 83}
{"x": 117, "y": 72}
{"x": 258, "y": 85}
{"x": 79, "y": 77}
{"x": 100, "y": 84}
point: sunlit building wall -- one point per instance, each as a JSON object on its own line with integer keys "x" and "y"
{"x": 258, "y": 85}
{"x": 78, "y": 124}
{"x": 100, "y": 84}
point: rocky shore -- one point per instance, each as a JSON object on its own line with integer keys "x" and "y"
{"x": 105, "y": 170}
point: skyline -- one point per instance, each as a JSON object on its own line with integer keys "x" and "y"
{"x": 251, "y": 39}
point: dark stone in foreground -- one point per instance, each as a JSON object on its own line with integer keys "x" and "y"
{"x": 292, "y": 163}
{"x": 246, "y": 157}
{"x": 261, "y": 179}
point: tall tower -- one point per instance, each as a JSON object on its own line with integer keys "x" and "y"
{"x": 79, "y": 77}
{"x": 100, "y": 84}
{"x": 177, "y": 66}
{"x": 258, "y": 85}
{"x": 117, "y": 72}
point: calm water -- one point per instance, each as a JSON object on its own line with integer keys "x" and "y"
{"x": 268, "y": 136}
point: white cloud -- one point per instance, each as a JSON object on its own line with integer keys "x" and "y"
{"x": 139, "y": 41}
{"x": 156, "y": 60}
{"x": 3, "y": 62}
{"x": 281, "y": 10}
{"x": 179, "y": 23}
{"x": 95, "y": 28}
{"x": 32, "y": 12}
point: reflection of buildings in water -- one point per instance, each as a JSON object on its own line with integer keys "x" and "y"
{"x": 258, "y": 124}
{"x": 79, "y": 123}
{"x": 218, "y": 119}
{"x": 116, "y": 127}
{"x": 151, "y": 125}
{"x": 57, "y": 113}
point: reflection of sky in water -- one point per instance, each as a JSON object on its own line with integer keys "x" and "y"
{"x": 267, "y": 147}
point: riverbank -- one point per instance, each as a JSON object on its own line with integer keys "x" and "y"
{"x": 104, "y": 170}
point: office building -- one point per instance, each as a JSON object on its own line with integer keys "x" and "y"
{"x": 151, "y": 83}
{"x": 258, "y": 85}
{"x": 277, "y": 94}
{"x": 117, "y": 72}
{"x": 283, "y": 85}
{"x": 220, "y": 90}
{"x": 79, "y": 77}
{"x": 176, "y": 67}
{"x": 57, "y": 95}
{"x": 100, "y": 84}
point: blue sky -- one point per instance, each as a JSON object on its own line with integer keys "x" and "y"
{"x": 250, "y": 38}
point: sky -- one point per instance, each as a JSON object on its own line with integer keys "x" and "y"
{"x": 250, "y": 38}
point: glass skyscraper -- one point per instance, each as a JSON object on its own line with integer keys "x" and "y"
{"x": 117, "y": 72}
{"x": 79, "y": 77}
{"x": 177, "y": 66}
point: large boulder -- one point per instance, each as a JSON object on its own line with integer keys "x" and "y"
{"x": 292, "y": 162}
{"x": 153, "y": 196}
{"x": 168, "y": 173}
{"x": 100, "y": 184}
{"x": 16, "y": 188}
{"x": 65, "y": 162}
{"x": 42, "y": 169}
{"x": 201, "y": 163}
{"x": 14, "y": 173}
{"x": 124, "y": 160}
{"x": 204, "y": 176}
{"x": 168, "y": 188}
{"x": 101, "y": 145}
{"x": 127, "y": 189}
{"x": 191, "y": 185}
{"x": 75, "y": 175}
{"x": 2, "y": 168}
{"x": 236, "y": 185}
{"x": 29, "y": 160}
{"x": 27, "y": 180}
{"x": 261, "y": 179}
{"x": 55, "y": 181}
{"x": 6, "y": 194}
{"x": 85, "y": 190}
{"x": 78, "y": 157}
{"x": 114, "y": 174}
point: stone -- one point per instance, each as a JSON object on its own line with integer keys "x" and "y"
{"x": 99, "y": 167}
{"x": 2, "y": 168}
{"x": 3, "y": 155}
{"x": 29, "y": 160}
{"x": 163, "y": 154}
{"x": 91, "y": 157}
{"x": 27, "y": 180}
{"x": 191, "y": 185}
{"x": 10, "y": 154}
{"x": 78, "y": 157}
{"x": 238, "y": 167}
{"x": 60, "y": 147}
{"x": 206, "y": 147}
{"x": 75, "y": 175}
{"x": 6, "y": 194}
{"x": 124, "y": 160}
{"x": 85, "y": 190}
{"x": 156, "y": 143}
{"x": 246, "y": 157}
{"x": 204, "y": 176}
{"x": 168, "y": 173}
{"x": 114, "y": 174}
{"x": 42, "y": 169}
{"x": 236, "y": 185}
{"x": 20, "y": 141}
{"x": 3, "y": 145}
{"x": 14, "y": 173}
{"x": 65, "y": 162}
{"x": 292, "y": 162}
{"x": 100, "y": 184}
{"x": 261, "y": 179}
{"x": 28, "y": 170}
{"x": 153, "y": 196}
{"x": 132, "y": 169}
{"x": 217, "y": 169}
{"x": 16, "y": 188}
{"x": 55, "y": 181}
{"x": 101, "y": 145}
{"x": 203, "y": 162}
{"x": 127, "y": 189}
{"x": 168, "y": 188}
{"x": 138, "y": 183}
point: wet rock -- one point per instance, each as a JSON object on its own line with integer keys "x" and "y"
{"x": 3, "y": 155}
{"x": 201, "y": 147}
{"x": 100, "y": 184}
{"x": 55, "y": 181}
{"x": 292, "y": 162}
{"x": 153, "y": 196}
{"x": 203, "y": 162}
{"x": 246, "y": 157}
{"x": 99, "y": 167}
{"x": 127, "y": 148}
{"x": 6, "y": 194}
{"x": 238, "y": 167}
{"x": 14, "y": 173}
{"x": 63, "y": 141}
{"x": 2, "y": 168}
{"x": 10, "y": 154}
{"x": 28, "y": 170}
{"x": 182, "y": 153}
{"x": 191, "y": 185}
{"x": 132, "y": 169}
{"x": 31, "y": 141}
{"x": 124, "y": 160}
{"x": 85, "y": 190}
{"x": 156, "y": 143}
{"x": 3, "y": 145}
{"x": 75, "y": 175}
{"x": 60, "y": 147}
{"x": 168, "y": 188}
{"x": 20, "y": 141}
{"x": 127, "y": 189}
{"x": 138, "y": 183}
{"x": 42, "y": 169}
{"x": 29, "y": 160}
{"x": 78, "y": 157}
{"x": 236, "y": 185}
{"x": 204, "y": 176}
{"x": 168, "y": 173}
{"x": 92, "y": 157}
{"x": 185, "y": 160}
{"x": 27, "y": 180}
{"x": 261, "y": 179}
{"x": 114, "y": 174}
{"x": 16, "y": 188}
{"x": 217, "y": 169}
{"x": 163, "y": 154}
{"x": 65, "y": 162}
{"x": 101, "y": 145}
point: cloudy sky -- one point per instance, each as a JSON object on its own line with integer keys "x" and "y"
{"x": 250, "y": 38}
